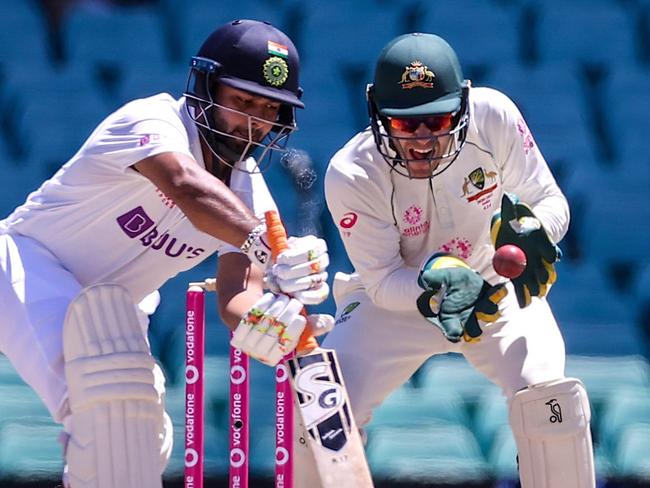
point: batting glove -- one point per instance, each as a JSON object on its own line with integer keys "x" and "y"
{"x": 272, "y": 327}
{"x": 299, "y": 271}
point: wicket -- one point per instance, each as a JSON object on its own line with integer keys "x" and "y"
{"x": 239, "y": 404}
{"x": 194, "y": 387}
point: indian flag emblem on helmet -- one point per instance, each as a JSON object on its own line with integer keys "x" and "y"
{"x": 417, "y": 75}
{"x": 277, "y": 49}
{"x": 275, "y": 71}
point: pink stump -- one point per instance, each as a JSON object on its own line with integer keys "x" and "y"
{"x": 194, "y": 354}
{"x": 239, "y": 419}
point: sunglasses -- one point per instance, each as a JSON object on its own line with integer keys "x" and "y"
{"x": 434, "y": 123}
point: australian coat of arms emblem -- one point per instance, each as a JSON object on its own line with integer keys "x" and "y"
{"x": 417, "y": 75}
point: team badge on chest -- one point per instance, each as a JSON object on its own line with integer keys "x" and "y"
{"x": 478, "y": 187}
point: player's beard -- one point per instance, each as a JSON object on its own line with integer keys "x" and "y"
{"x": 237, "y": 147}
{"x": 424, "y": 165}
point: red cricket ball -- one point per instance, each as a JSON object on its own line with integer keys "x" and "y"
{"x": 509, "y": 261}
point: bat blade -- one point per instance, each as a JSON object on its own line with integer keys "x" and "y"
{"x": 322, "y": 402}
{"x": 328, "y": 425}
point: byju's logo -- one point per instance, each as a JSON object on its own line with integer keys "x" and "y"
{"x": 556, "y": 411}
{"x": 137, "y": 224}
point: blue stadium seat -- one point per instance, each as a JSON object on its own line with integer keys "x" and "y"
{"x": 572, "y": 278}
{"x": 435, "y": 453}
{"x": 631, "y": 458}
{"x": 580, "y": 175}
{"x": 215, "y": 399}
{"x": 8, "y": 374}
{"x": 215, "y": 449}
{"x": 24, "y": 179}
{"x": 29, "y": 451}
{"x": 503, "y": 454}
{"x": 613, "y": 338}
{"x": 349, "y": 33}
{"x": 408, "y": 406}
{"x": 623, "y": 407}
{"x": 144, "y": 81}
{"x": 262, "y": 450}
{"x": 12, "y": 170}
{"x": 452, "y": 372}
{"x": 334, "y": 112}
{"x": 550, "y": 97}
{"x": 196, "y": 20}
{"x": 54, "y": 113}
{"x": 610, "y": 229}
{"x": 53, "y": 130}
{"x": 607, "y": 328}
{"x": 23, "y": 84}
{"x": 490, "y": 415}
{"x": 18, "y": 402}
{"x": 574, "y": 32}
{"x": 167, "y": 328}
{"x": 625, "y": 95}
{"x": 262, "y": 418}
{"x": 603, "y": 375}
{"x": 214, "y": 421}
{"x": 16, "y": 48}
{"x": 603, "y": 460}
{"x": 90, "y": 37}
{"x": 641, "y": 285}
{"x": 482, "y": 32}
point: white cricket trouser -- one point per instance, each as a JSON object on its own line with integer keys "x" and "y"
{"x": 35, "y": 291}
{"x": 379, "y": 349}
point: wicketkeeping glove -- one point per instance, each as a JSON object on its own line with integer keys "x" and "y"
{"x": 300, "y": 270}
{"x": 272, "y": 327}
{"x": 456, "y": 297}
{"x": 516, "y": 224}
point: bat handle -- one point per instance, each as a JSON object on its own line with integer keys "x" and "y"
{"x": 278, "y": 240}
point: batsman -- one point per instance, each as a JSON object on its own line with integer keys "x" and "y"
{"x": 160, "y": 185}
{"x": 446, "y": 173}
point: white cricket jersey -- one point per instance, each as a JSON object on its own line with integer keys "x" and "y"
{"x": 390, "y": 224}
{"x": 106, "y": 222}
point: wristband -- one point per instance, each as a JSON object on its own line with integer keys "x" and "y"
{"x": 252, "y": 236}
{"x": 256, "y": 248}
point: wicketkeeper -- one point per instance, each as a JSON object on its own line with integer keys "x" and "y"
{"x": 420, "y": 198}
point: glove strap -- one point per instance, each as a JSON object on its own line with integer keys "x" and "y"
{"x": 429, "y": 302}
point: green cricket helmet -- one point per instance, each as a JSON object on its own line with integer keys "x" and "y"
{"x": 418, "y": 80}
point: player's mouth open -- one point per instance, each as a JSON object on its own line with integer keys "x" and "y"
{"x": 420, "y": 154}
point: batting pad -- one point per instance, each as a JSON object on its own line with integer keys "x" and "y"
{"x": 550, "y": 423}
{"x": 117, "y": 419}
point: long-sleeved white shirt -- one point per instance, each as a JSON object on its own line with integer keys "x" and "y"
{"x": 105, "y": 222}
{"x": 390, "y": 224}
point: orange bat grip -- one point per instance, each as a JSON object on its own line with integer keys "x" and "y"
{"x": 278, "y": 241}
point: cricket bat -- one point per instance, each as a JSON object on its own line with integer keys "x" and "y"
{"x": 322, "y": 402}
